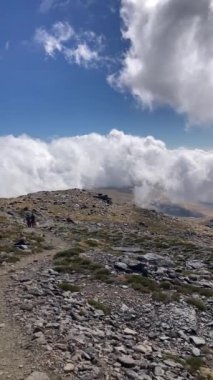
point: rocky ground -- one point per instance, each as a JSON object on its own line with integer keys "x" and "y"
{"x": 103, "y": 290}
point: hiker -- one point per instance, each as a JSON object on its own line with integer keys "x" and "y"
{"x": 33, "y": 220}
{"x": 28, "y": 220}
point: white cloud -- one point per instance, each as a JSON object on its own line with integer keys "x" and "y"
{"x": 170, "y": 57}
{"x": 47, "y": 5}
{"x": 82, "y": 49}
{"x": 53, "y": 42}
{"x": 7, "y": 45}
{"x": 82, "y": 55}
{"x": 94, "y": 160}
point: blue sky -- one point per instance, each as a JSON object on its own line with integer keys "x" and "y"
{"x": 43, "y": 94}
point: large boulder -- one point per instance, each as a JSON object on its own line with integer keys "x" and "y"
{"x": 153, "y": 258}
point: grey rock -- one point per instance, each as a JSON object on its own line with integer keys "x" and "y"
{"x": 157, "y": 259}
{"x": 196, "y": 351}
{"x": 144, "y": 349}
{"x": 158, "y": 371}
{"x": 69, "y": 367}
{"x": 171, "y": 363}
{"x": 127, "y": 361}
{"x": 128, "y": 331}
{"x": 26, "y": 306}
{"x": 121, "y": 266}
{"x": 198, "y": 341}
{"x": 38, "y": 376}
{"x": 124, "y": 308}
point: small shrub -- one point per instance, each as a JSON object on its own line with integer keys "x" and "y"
{"x": 190, "y": 289}
{"x": 160, "y": 297}
{"x": 194, "y": 363}
{"x": 142, "y": 284}
{"x": 92, "y": 243}
{"x": 99, "y": 306}
{"x": 165, "y": 285}
{"x": 175, "y": 296}
{"x": 197, "y": 302}
{"x": 205, "y": 292}
{"x": 102, "y": 274}
{"x": 74, "y": 251}
{"x": 66, "y": 286}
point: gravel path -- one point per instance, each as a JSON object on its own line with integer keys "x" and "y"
{"x": 16, "y": 361}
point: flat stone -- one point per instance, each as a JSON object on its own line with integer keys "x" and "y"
{"x": 69, "y": 367}
{"x": 144, "y": 349}
{"x": 27, "y": 307}
{"x": 172, "y": 364}
{"x": 128, "y": 331}
{"x": 198, "y": 341}
{"x": 157, "y": 259}
{"x": 158, "y": 371}
{"x": 127, "y": 361}
{"x": 38, "y": 376}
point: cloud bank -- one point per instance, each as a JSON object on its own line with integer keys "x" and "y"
{"x": 82, "y": 49}
{"x": 116, "y": 160}
{"x": 170, "y": 56}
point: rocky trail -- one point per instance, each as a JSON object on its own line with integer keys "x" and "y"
{"x": 16, "y": 361}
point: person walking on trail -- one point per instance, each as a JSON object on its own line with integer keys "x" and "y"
{"x": 33, "y": 220}
{"x": 28, "y": 220}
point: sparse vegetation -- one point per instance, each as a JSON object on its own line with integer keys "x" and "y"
{"x": 68, "y": 253}
{"x": 190, "y": 289}
{"x": 71, "y": 261}
{"x": 102, "y": 274}
{"x": 67, "y": 286}
{"x": 166, "y": 285}
{"x": 197, "y": 302}
{"x": 160, "y": 297}
{"x": 99, "y": 306}
{"x": 142, "y": 284}
{"x": 194, "y": 363}
{"x": 92, "y": 243}
{"x": 174, "y": 358}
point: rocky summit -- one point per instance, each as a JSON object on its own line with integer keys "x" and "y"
{"x": 102, "y": 289}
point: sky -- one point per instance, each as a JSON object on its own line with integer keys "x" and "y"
{"x": 100, "y": 93}
{"x": 69, "y": 68}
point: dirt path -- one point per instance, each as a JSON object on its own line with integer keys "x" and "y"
{"x": 16, "y": 361}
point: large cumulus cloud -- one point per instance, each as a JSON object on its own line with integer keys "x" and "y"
{"x": 94, "y": 160}
{"x": 170, "y": 56}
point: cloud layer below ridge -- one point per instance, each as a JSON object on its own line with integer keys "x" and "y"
{"x": 116, "y": 160}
